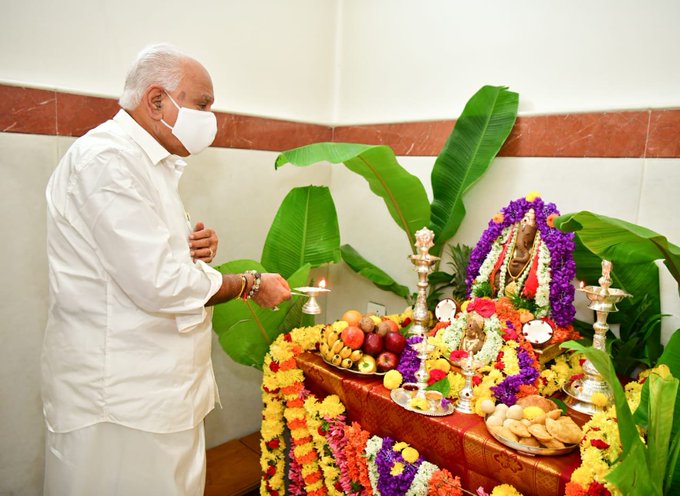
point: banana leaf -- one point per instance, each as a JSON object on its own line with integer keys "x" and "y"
{"x": 246, "y": 330}
{"x": 633, "y": 475}
{"x": 402, "y": 192}
{"x": 670, "y": 358}
{"x": 300, "y": 234}
{"x": 376, "y": 275}
{"x": 633, "y": 251}
{"x": 478, "y": 135}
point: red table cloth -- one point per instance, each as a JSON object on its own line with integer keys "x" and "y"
{"x": 457, "y": 442}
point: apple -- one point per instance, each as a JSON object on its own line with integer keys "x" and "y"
{"x": 387, "y": 325}
{"x": 367, "y": 364}
{"x": 373, "y": 344}
{"x": 395, "y": 342}
{"x": 352, "y": 336}
{"x": 387, "y": 361}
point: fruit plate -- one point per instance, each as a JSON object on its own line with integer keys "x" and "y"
{"x": 531, "y": 450}
{"x": 402, "y": 396}
{"x": 354, "y": 371}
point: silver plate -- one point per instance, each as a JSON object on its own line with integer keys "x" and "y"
{"x": 401, "y": 396}
{"x": 354, "y": 371}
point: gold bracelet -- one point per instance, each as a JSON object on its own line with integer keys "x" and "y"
{"x": 244, "y": 281}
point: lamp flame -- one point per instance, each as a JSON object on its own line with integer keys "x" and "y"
{"x": 322, "y": 283}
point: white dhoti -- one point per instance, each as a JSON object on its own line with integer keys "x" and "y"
{"x": 108, "y": 459}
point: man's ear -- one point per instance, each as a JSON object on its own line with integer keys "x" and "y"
{"x": 153, "y": 102}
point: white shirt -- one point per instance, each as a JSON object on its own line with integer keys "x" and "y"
{"x": 128, "y": 337}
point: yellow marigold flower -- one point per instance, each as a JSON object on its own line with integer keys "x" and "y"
{"x": 399, "y": 446}
{"x": 331, "y": 407}
{"x": 410, "y": 454}
{"x": 599, "y": 399}
{"x": 505, "y": 490}
{"x": 392, "y": 379}
{"x": 662, "y": 370}
{"x": 463, "y": 307}
{"x": 498, "y": 218}
{"x": 397, "y": 469}
{"x": 532, "y": 196}
{"x": 582, "y": 476}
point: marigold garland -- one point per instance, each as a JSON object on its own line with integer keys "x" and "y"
{"x": 327, "y": 456}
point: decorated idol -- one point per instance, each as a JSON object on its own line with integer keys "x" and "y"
{"x": 522, "y": 256}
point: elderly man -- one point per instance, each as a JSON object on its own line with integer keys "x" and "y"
{"x": 127, "y": 375}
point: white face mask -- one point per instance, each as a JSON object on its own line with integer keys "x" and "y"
{"x": 195, "y": 129}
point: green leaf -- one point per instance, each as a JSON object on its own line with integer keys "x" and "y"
{"x": 402, "y": 192}
{"x": 246, "y": 330}
{"x": 305, "y": 230}
{"x": 670, "y": 358}
{"x": 664, "y": 391}
{"x": 633, "y": 474}
{"x": 478, "y": 135}
{"x": 620, "y": 241}
{"x": 442, "y": 385}
{"x": 633, "y": 251}
{"x": 379, "y": 277}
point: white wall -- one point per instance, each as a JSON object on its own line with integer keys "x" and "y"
{"x": 406, "y": 60}
{"x": 359, "y": 61}
{"x": 397, "y": 60}
{"x": 266, "y": 57}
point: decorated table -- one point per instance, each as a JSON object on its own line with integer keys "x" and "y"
{"x": 458, "y": 442}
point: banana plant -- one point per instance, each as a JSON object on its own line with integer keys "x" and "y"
{"x": 651, "y": 467}
{"x": 479, "y": 133}
{"x": 299, "y": 239}
{"x": 633, "y": 251}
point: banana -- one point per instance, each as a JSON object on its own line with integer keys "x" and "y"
{"x": 336, "y": 360}
{"x": 332, "y": 337}
{"x": 337, "y": 346}
{"x": 324, "y": 348}
{"x": 346, "y": 363}
{"x": 356, "y": 355}
{"x": 345, "y": 352}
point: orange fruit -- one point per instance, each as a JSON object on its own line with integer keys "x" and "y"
{"x": 352, "y": 317}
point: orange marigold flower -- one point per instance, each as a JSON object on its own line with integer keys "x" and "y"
{"x": 308, "y": 458}
{"x": 297, "y": 423}
{"x": 296, "y": 403}
{"x": 313, "y": 477}
{"x": 302, "y": 440}
{"x": 498, "y": 218}
{"x": 551, "y": 220}
{"x": 289, "y": 364}
{"x": 292, "y": 389}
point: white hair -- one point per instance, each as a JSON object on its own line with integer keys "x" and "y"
{"x": 160, "y": 64}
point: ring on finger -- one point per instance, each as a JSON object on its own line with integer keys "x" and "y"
{"x": 211, "y": 252}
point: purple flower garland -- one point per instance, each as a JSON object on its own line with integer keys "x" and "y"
{"x": 409, "y": 362}
{"x": 385, "y": 459}
{"x": 506, "y": 390}
{"x": 560, "y": 244}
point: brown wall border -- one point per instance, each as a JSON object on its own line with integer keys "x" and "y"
{"x": 653, "y": 133}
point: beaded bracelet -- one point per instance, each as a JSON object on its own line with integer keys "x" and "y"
{"x": 256, "y": 284}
